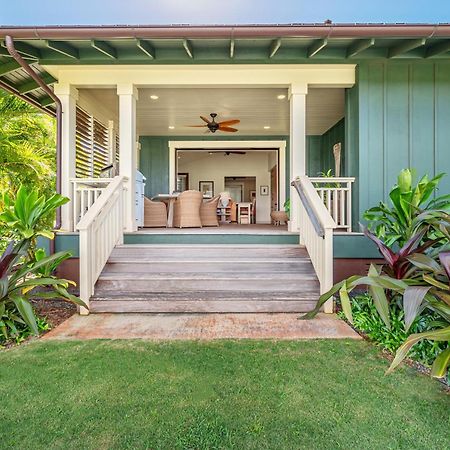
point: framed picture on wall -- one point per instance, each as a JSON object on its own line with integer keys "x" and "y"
{"x": 264, "y": 190}
{"x": 206, "y": 188}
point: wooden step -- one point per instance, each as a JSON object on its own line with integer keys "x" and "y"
{"x": 201, "y": 301}
{"x": 206, "y": 278}
{"x": 297, "y": 266}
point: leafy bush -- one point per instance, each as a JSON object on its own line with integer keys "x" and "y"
{"x": 414, "y": 240}
{"x": 367, "y": 320}
{"x": 25, "y": 270}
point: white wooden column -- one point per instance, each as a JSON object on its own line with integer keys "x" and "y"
{"x": 68, "y": 96}
{"x": 128, "y": 96}
{"x": 297, "y": 146}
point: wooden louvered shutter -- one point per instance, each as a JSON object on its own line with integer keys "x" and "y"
{"x": 83, "y": 139}
{"x": 92, "y": 151}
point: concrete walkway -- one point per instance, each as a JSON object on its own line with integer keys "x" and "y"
{"x": 201, "y": 327}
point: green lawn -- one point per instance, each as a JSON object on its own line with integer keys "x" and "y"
{"x": 227, "y": 394}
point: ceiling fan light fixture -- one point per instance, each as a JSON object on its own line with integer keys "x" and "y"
{"x": 171, "y": 127}
{"x": 267, "y": 127}
{"x": 281, "y": 97}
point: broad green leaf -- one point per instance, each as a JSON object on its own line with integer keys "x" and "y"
{"x": 412, "y": 299}
{"x": 379, "y": 298}
{"x": 440, "y": 364}
{"x": 429, "y": 279}
{"x": 26, "y": 311}
{"x": 322, "y": 300}
{"x": 345, "y": 302}
{"x": 435, "y": 335}
{"x": 424, "y": 262}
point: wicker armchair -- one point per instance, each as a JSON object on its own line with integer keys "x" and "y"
{"x": 186, "y": 211}
{"x": 208, "y": 212}
{"x": 155, "y": 213}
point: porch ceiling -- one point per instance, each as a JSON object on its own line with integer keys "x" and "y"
{"x": 256, "y": 108}
{"x": 246, "y": 44}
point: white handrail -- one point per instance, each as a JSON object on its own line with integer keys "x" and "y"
{"x": 101, "y": 229}
{"x": 336, "y": 194}
{"x": 85, "y": 191}
{"x": 316, "y": 234}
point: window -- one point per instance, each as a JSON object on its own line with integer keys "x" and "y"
{"x": 91, "y": 151}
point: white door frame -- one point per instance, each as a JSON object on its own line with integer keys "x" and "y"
{"x": 247, "y": 145}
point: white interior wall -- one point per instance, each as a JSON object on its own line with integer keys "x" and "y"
{"x": 215, "y": 167}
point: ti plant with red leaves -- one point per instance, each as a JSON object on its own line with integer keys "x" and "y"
{"x": 415, "y": 275}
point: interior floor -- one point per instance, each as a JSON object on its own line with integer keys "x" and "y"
{"x": 226, "y": 228}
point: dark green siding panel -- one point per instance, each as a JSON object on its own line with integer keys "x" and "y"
{"x": 67, "y": 242}
{"x": 354, "y": 246}
{"x": 154, "y": 164}
{"x": 404, "y": 121}
{"x": 422, "y": 118}
{"x": 313, "y": 155}
{"x": 397, "y": 150}
{"x": 352, "y": 146}
{"x": 442, "y": 120}
{"x": 373, "y": 170}
{"x": 332, "y": 136}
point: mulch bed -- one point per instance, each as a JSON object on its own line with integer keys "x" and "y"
{"x": 54, "y": 310}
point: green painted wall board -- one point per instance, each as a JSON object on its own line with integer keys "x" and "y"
{"x": 403, "y": 121}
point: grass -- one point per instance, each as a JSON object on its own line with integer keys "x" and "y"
{"x": 217, "y": 395}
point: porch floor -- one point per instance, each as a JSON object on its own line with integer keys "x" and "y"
{"x": 201, "y": 327}
{"x": 227, "y": 228}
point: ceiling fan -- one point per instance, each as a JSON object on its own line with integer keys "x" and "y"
{"x": 213, "y": 126}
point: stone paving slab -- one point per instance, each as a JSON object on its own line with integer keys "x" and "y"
{"x": 201, "y": 327}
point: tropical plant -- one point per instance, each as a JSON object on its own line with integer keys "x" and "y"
{"x": 287, "y": 207}
{"x": 416, "y": 275}
{"x": 27, "y": 215}
{"x": 27, "y": 146}
{"x": 19, "y": 279}
{"x": 412, "y": 208}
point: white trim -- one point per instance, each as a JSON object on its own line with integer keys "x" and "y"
{"x": 275, "y": 75}
{"x": 249, "y": 145}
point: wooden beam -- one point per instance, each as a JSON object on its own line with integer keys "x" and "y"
{"x": 105, "y": 48}
{"x": 232, "y": 48}
{"x": 26, "y": 49}
{"x": 316, "y": 47}
{"x": 359, "y": 46}
{"x": 9, "y": 67}
{"x": 188, "y": 47}
{"x": 31, "y": 85}
{"x": 405, "y": 46}
{"x": 46, "y": 101}
{"x": 274, "y": 47}
{"x": 146, "y": 47}
{"x": 437, "y": 49}
{"x": 64, "y": 48}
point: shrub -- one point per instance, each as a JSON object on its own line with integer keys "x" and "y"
{"x": 413, "y": 237}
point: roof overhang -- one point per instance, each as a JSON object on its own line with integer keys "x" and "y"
{"x": 213, "y": 44}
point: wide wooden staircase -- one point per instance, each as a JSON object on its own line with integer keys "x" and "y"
{"x": 206, "y": 278}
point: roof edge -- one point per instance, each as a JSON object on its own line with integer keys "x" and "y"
{"x": 227, "y": 31}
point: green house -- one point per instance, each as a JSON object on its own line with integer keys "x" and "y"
{"x": 256, "y": 114}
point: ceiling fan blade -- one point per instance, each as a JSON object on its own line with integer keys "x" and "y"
{"x": 205, "y": 119}
{"x": 196, "y": 126}
{"x": 228, "y": 129}
{"x": 229, "y": 122}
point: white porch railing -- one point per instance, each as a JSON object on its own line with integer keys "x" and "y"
{"x": 85, "y": 191}
{"x": 336, "y": 195}
{"x": 316, "y": 233}
{"x": 101, "y": 229}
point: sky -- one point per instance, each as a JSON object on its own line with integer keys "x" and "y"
{"x": 148, "y": 12}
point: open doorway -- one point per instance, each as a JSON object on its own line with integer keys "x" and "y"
{"x": 244, "y": 174}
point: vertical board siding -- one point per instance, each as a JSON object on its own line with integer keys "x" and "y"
{"x": 403, "y": 121}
